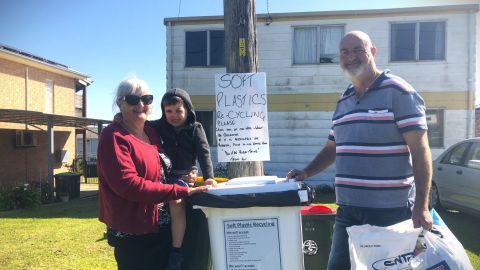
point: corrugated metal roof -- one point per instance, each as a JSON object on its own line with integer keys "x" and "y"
{"x": 37, "y": 59}
{"x": 39, "y": 118}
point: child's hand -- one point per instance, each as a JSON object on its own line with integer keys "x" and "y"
{"x": 118, "y": 118}
{"x": 210, "y": 182}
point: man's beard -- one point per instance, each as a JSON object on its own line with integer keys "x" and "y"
{"x": 354, "y": 72}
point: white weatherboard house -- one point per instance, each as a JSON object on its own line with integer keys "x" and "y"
{"x": 434, "y": 48}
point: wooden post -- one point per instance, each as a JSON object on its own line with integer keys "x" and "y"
{"x": 241, "y": 56}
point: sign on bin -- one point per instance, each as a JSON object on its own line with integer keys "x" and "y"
{"x": 252, "y": 244}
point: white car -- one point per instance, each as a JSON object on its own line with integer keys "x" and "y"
{"x": 456, "y": 178}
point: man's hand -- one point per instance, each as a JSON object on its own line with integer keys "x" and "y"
{"x": 299, "y": 175}
{"x": 421, "y": 218}
{"x": 321, "y": 161}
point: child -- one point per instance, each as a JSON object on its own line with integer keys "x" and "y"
{"x": 184, "y": 142}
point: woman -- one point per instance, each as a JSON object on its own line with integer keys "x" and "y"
{"x": 129, "y": 171}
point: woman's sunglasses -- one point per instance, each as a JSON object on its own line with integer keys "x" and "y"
{"x": 133, "y": 100}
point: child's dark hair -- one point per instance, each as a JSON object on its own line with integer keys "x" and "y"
{"x": 172, "y": 100}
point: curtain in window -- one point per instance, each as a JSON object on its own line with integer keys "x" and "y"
{"x": 432, "y": 41}
{"x": 440, "y": 41}
{"x": 329, "y": 42}
{"x": 304, "y": 46}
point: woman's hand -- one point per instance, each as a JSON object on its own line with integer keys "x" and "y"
{"x": 195, "y": 190}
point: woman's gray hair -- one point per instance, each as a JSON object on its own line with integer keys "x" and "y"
{"x": 130, "y": 86}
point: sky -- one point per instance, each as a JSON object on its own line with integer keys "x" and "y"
{"x": 110, "y": 40}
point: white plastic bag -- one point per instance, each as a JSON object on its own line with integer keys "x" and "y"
{"x": 439, "y": 249}
{"x": 373, "y": 247}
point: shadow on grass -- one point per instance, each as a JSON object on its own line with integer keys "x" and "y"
{"x": 464, "y": 227}
{"x": 78, "y": 208}
{"x": 104, "y": 238}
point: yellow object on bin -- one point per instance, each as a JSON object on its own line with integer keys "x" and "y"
{"x": 218, "y": 179}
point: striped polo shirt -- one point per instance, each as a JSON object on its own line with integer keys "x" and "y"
{"x": 373, "y": 162}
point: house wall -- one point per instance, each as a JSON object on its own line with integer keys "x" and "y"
{"x": 477, "y": 123}
{"x": 476, "y": 68}
{"x": 475, "y": 29}
{"x": 302, "y": 97}
{"x": 14, "y": 88}
{"x": 30, "y": 164}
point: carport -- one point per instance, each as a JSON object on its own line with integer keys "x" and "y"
{"x": 46, "y": 122}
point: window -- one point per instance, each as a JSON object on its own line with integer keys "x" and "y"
{"x": 473, "y": 156}
{"x": 455, "y": 156}
{"x": 205, "y": 48}
{"x": 435, "y": 127}
{"x": 316, "y": 44}
{"x": 25, "y": 138}
{"x": 417, "y": 41}
{"x": 208, "y": 123}
{"x": 48, "y": 96}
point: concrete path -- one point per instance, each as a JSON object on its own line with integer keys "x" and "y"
{"x": 88, "y": 190}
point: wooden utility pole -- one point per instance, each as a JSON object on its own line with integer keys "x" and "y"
{"x": 241, "y": 56}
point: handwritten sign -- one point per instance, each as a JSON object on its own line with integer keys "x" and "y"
{"x": 241, "y": 117}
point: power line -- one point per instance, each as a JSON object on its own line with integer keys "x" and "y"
{"x": 179, "y": 6}
{"x": 269, "y": 19}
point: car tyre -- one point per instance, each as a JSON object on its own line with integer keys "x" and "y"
{"x": 434, "y": 197}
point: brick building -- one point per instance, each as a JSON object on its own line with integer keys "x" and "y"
{"x": 38, "y": 119}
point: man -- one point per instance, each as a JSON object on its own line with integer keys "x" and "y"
{"x": 380, "y": 148}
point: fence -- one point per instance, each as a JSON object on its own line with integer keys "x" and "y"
{"x": 88, "y": 169}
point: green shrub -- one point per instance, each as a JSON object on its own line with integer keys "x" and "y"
{"x": 25, "y": 196}
{"x": 325, "y": 189}
{"x": 44, "y": 191}
{"x": 6, "y": 202}
{"x": 19, "y": 197}
{"x": 221, "y": 170}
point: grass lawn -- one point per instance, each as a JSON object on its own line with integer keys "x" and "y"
{"x": 69, "y": 236}
{"x": 57, "y": 236}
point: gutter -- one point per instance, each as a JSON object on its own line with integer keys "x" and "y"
{"x": 471, "y": 28}
{"x": 170, "y": 54}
